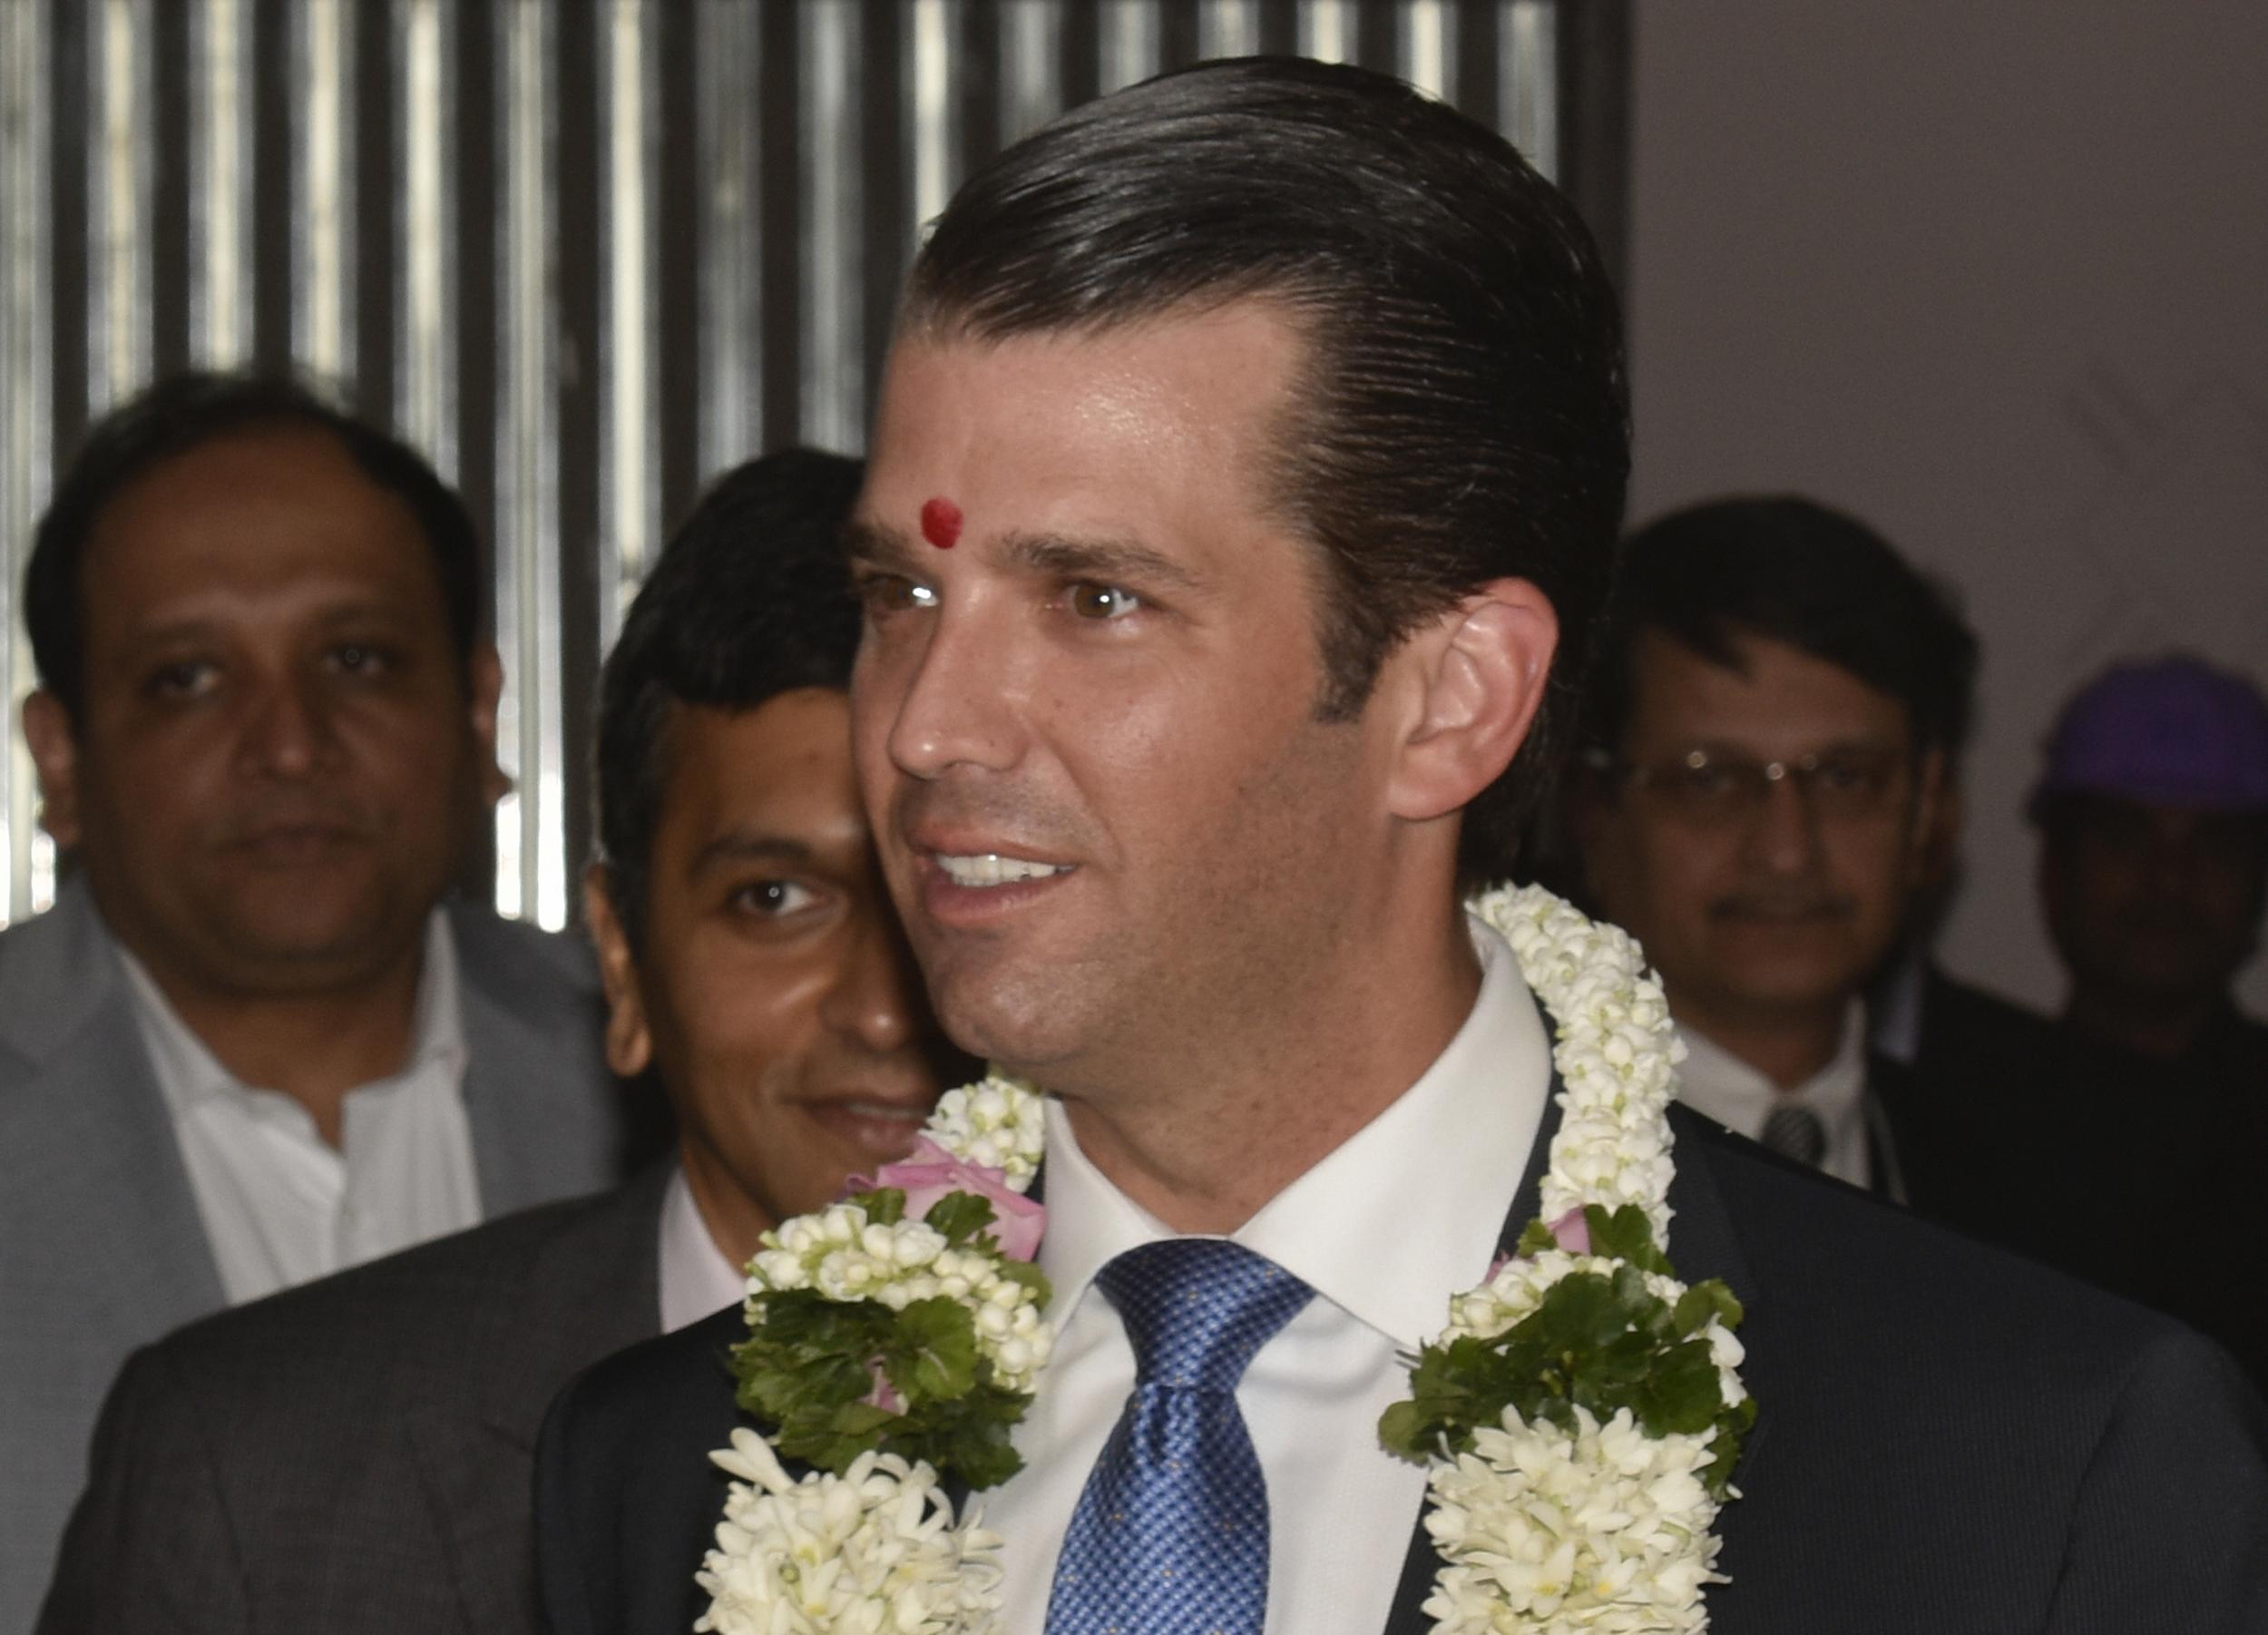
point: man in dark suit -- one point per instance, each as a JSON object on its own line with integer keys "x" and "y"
{"x": 2153, "y": 875}
{"x": 1768, "y": 737}
{"x": 252, "y": 1041}
{"x": 2147, "y": 1098}
{"x": 1242, "y": 497}
{"x": 354, "y": 1454}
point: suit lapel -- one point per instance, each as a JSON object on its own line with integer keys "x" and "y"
{"x": 531, "y": 1061}
{"x": 120, "y": 1192}
{"x": 1407, "y": 1615}
{"x": 592, "y": 1289}
{"x": 101, "y": 1157}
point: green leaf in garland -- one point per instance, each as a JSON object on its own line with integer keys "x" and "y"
{"x": 809, "y": 1364}
{"x": 1733, "y": 1426}
{"x": 1401, "y": 1430}
{"x": 1705, "y": 1301}
{"x": 960, "y": 1215}
{"x": 1027, "y": 1275}
{"x": 1445, "y": 1404}
{"x": 884, "y": 1206}
{"x": 1678, "y": 1392}
{"x": 934, "y": 1356}
{"x": 806, "y": 1354}
{"x": 969, "y": 1437}
{"x": 1626, "y": 1235}
{"x": 1600, "y": 1342}
{"x": 861, "y": 1420}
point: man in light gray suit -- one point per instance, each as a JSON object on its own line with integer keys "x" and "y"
{"x": 356, "y": 1454}
{"x": 247, "y": 1047}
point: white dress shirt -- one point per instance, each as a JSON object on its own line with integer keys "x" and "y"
{"x": 1403, "y": 1215}
{"x": 280, "y": 1205}
{"x": 697, "y": 1279}
{"x": 1714, "y": 1081}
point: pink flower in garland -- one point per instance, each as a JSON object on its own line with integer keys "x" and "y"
{"x": 1573, "y": 1231}
{"x": 930, "y": 1173}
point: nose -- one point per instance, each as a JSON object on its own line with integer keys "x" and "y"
{"x": 877, "y": 1000}
{"x": 1784, "y": 833}
{"x": 2174, "y": 864}
{"x": 287, "y": 732}
{"x": 949, "y": 695}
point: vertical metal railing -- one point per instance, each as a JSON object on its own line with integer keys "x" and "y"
{"x": 26, "y": 421}
{"x": 323, "y": 134}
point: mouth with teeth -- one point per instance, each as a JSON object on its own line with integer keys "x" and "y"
{"x": 983, "y": 870}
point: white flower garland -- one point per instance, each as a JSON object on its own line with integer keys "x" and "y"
{"x": 874, "y": 1548}
{"x": 1598, "y": 1528}
{"x": 1604, "y": 1528}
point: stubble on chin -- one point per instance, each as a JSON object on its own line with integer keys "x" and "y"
{"x": 1008, "y": 1011}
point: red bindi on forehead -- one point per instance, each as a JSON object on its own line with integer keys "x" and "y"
{"x": 940, "y": 523}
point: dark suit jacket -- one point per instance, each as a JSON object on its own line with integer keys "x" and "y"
{"x": 355, "y": 1454}
{"x": 102, "y": 1249}
{"x": 1950, "y": 1441}
{"x": 1971, "y": 1105}
{"x": 2035, "y": 1135}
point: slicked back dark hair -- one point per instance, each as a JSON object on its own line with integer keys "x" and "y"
{"x": 1460, "y": 414}
{"x": 188, "y": 411}
{"x": 1795, "y": 571}
{"x": 749, "y": 599}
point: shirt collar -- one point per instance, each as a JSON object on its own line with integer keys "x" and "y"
{"x": 697, "y": 1279}
{"x": 1738, "y": 1096}
{"x": 189, "y": 1074}
{"x": 1402, "y": 1216}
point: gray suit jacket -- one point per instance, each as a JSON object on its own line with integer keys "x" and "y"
{"x": 355, "y": 1456}
{"x": 100, "y": 1246}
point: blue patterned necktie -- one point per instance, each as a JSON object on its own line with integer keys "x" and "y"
{"x": 1171, "y": 1534}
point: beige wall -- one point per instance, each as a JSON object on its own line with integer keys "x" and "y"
{"x": 1993, "y": 274}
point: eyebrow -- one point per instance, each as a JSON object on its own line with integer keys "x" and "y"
{"x": 741, "y": 846}
{"x": 204, "y": 627}
{"x": 1062, "y": 557}
{"x": 876, "y": 544}
{"x": 1057, "y": 555}
{"x": 1843, "y": 745}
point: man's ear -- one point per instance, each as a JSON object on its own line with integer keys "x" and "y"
{"x": 628, "y": 1041}
{"x": 1937, "y": 816}
{"x": 55, "y": 753}
{"x": 1476, "y": 678}
{"x": 483, "y": 685}
{"x": 1942, "y": 825}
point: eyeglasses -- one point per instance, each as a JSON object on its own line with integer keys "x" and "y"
{"x": 1707, "y": 787}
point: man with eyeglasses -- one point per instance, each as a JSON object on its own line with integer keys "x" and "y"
{"x": 1768, "y": 737}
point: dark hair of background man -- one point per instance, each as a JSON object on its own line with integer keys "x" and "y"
{"x": 1460, "y": 414}
{"x": 750, "y": 598}
{"x": 1791, "y": 571}
{"x": 190, "y": 411}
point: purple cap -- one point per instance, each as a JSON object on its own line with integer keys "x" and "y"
{"x": 2172, "y": 731}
